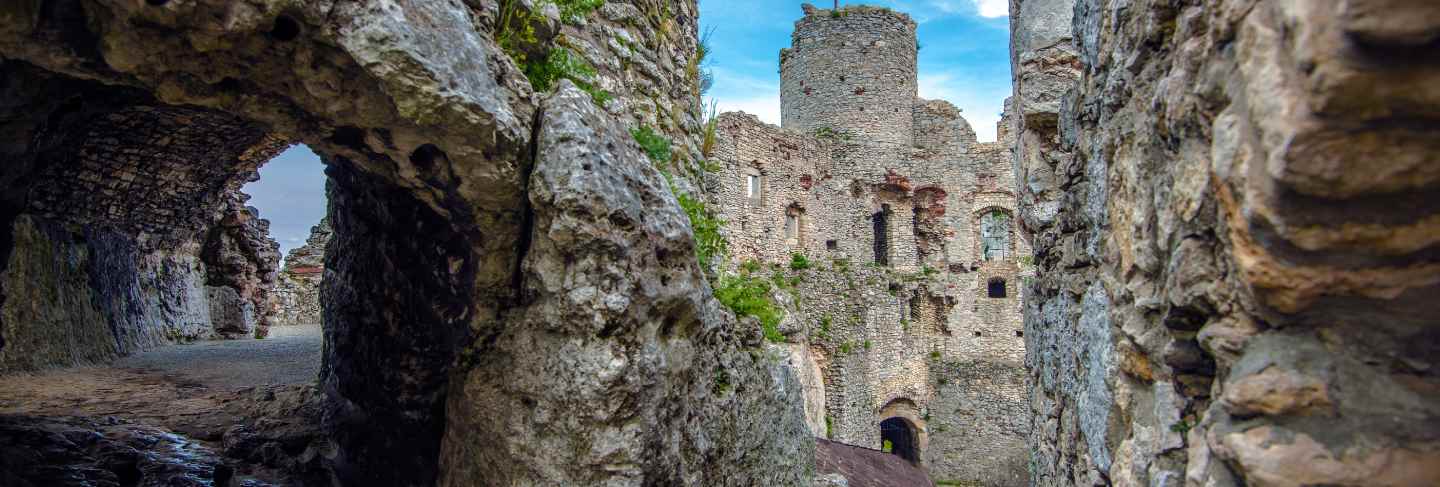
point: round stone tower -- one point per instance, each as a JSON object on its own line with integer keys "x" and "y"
{"x": 850, "y": 71}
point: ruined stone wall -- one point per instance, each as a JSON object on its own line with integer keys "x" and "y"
{"x": 130, "y": 231}
{"x": 850, "y": 70}
{"x": 296, "y": 297}
{"x": 1232, "y": 209}
{"x": 911, "y": 332}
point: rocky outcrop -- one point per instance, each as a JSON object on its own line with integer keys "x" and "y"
{"x": 1232, "y": 209}
{"x": 482, "y": 294}
{"x": 296, "y": 297}
{"x": 240, "y": 267}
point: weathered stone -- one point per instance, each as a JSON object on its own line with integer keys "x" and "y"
{"x": 447, "y": 259}
{"x": 1248, "y": 189}
{"x": 887, "y": 228}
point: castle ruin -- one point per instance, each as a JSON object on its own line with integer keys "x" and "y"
{"x": 904, "y": 317}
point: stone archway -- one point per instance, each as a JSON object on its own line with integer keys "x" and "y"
{"x": 903, "y": 426}
{"x": 900, "y": 438}
{"x": 455, "y": 351}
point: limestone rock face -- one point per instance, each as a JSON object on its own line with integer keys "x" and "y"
{"x": 240, "y": 263}
{"x": 1232, "y": 206}
{"x": 457, "y": 322}
{"x": 619, "y": 354}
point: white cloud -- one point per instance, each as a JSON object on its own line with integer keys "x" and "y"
{"x": 924, "y": 11}
{"x": 739, "y": 92}
{"x": 765, "y": 107}
{"x": 992, "y": 8}
{"x": 982, "y": 110}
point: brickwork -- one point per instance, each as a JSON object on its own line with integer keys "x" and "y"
{"x": 891, "y": 198}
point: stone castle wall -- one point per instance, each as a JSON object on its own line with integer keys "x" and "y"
{"x": 843, "y": 63}
{"x": 905, "y": 328}
{"x": 296, "y": 297}
{"x": 1227, "y": 201}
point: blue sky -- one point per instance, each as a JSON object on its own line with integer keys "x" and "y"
{"x": 964, "y": 59}
{"x": 291, "y": 194}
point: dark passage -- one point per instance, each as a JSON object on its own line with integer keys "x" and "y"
{"x": 882, "y": 235}
{"x": 901, "y": 436}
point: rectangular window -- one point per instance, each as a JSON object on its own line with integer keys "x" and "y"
{"x": 752, "y": 186}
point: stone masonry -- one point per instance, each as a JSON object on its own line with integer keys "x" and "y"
{"x": 909, "y": 307}
{"x": 296, "y": 297}
{"x": 1235, "y": 208}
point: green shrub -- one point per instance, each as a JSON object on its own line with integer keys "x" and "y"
{"x": 935, "y": 354}
{"x": 560, "y": 64}
{"x": 845, "y": 348}
{"x": 798, "y": 262}
{"x": 829, "y": 427}
{"x": 709, "y": 243}
{"x": 571, "y": 11}
{"x": 886, "y": 446}
{"x": 656, "y": 146}
{"x": 750, "y": 266}
{"x": 867, "y": 344}
{"x": 750, "y": 296}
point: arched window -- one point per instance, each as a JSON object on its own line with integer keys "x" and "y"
{"x": 997, "y": 288}
{"x": 995, "y": 236}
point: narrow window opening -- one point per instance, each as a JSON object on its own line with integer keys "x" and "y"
{"x": 996, "y": 288}
{"x": 831, "y": 245}
{"x": 881, "y": 221}
{"x": 752, "y": 186}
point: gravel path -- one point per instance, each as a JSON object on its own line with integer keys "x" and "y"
{"x": 291, "y": 355}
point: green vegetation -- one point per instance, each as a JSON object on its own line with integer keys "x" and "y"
{"x": 867, "y": 344}
{"x": 707, "y": 139}
{"x": 656, "y": 146}
{"x": 572, "y": 11}
{"x": 928, "y": 271}
{"x": 750, "y": 296}
{"x": 840, "y": 264}
{"x": 722, "y": 382}
{"x": 798, "y": 262}
{"x": 560, "y": 64}
{"x": 829, "y": 427}
{"x": 935, "y": 354}
{"x": 750, "y": 266}
{"x": 830, "y": 133}
{"x": 709, "y": 244}
{"x": 1182, "y": 427}
{"x": 886, "y": 446}
{"x": 845, "y": 347}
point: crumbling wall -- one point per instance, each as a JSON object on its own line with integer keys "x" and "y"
{"x": 114, "y": 196}
{"x": 915, "y": 325}
{"x": 296, "y": 297}
{"x": 1232, "y": 208}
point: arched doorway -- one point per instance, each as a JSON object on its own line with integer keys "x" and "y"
{"x": 899, "y": 437}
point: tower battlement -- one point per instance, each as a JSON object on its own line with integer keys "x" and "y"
{"x": 851, "y": 71}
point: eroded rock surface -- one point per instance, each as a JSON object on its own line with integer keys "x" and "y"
{"x": 1232, "y": 207}
{"x": 450, "y": 261}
